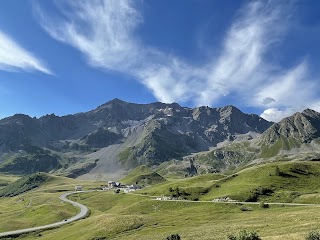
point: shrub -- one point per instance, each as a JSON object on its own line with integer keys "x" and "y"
{"x": 173, "y": 237}
{"x": 245, "y": 208}
{"x": 256, "y": 193}
{"x": 264, "y": 205}
{"x": 231, "y": 237}
{"x": 244, "y": 235}
{"x": 313, "y": 235}
{"x": 277, "y": 171}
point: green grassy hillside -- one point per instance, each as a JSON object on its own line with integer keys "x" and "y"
{"x": 277, "y": 182}
{"x": 280, "y": 182}
{"x": 193, "y": 187}
{"x": 24, "y": 184}
{"x": 134, "y": 217}
{"x": 143, "y": 175}
{"x": 282, "y": 143}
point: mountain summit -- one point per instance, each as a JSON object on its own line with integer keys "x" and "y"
{"x": 303, "y": 127}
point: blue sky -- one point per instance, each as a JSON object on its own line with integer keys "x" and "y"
{"x": 65, "y": 57}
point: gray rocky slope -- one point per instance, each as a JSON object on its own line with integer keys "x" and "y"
{"x": 294, "y": 138}
{"x": 303, "y": 127}
{"x": 117, "y": 136}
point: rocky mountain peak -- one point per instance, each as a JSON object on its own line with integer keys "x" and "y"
{"x": 113, "y": 103}
{"x": 228, "y": 111}
{"x": 311, "y": 113}
{"x": 304, "y": 127}
{"x": 229, "y": 108}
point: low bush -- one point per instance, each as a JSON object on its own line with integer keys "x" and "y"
{"x": 256, "y": 193}
{"x": 263, "y": 205}
{"x": 245, "y": 208}
{"x": 313, "y": 235}
{"x": 244, "y": 235}
{"x": 173, "y": 237}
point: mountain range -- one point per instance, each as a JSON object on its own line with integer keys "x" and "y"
{"x": 118, "y": 136}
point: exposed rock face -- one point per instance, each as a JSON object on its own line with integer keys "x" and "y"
{"x": 101, "y": 138}
{"x": 121, "y": 134}
{"x": 304, "y": 127}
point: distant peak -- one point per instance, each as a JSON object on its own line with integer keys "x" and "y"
{"x": 175, "y": 105}
{"x": 308, "y": 111}
{"x": 230, "y": 108}
{"x": 116, "y": 100}
{"x": 21, "y": 115}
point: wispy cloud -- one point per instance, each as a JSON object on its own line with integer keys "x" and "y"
{"x": 105, "y": 32}
{"x": 13, "y": 57}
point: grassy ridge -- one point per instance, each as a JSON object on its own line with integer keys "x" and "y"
{"x": 265, "y": 184}
{"x": 143, "y": 175}
{"x": 195, "y": 186}
{"x": 24, "y": 184}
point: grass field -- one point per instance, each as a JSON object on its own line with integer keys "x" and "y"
{"x": 125, "y": 216}
{"x": 39, "y": 206}
{"x": 137, "y": 216}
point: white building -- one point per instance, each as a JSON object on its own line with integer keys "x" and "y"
{"x": 78, "y": 188}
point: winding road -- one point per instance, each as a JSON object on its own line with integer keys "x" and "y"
{"x": 84, "y": 212}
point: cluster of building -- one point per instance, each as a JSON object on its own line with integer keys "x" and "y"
{"x": 167, "y": 198}
{"x": 120, "y": 186}
{"x": 117, "y": 186}
{"x": 225, "y": 199}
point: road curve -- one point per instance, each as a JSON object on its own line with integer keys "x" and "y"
{"x": 84, "y": 212}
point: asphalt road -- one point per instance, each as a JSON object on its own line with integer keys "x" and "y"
{"x": 84, "y": 212}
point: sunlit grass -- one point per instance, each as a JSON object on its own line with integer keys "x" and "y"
{"x": 123, "y": 216}
{"x": 39, "y": 206}
{"x": 129, "y": 216}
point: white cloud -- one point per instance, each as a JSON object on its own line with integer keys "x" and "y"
{"x": 102, "y": 30}
{"x": 241, "y": 66}
{"x": 286, "y": 89}
{"x": 13, "y": 57}
{"x": 276, "y": 115}
{"x": 105, "y": 32}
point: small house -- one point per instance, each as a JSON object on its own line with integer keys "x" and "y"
{"x": 78, "y": 188}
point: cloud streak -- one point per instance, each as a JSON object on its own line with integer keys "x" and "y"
{"x": 13, "y": 57}
{"x": 105, "y": 32}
